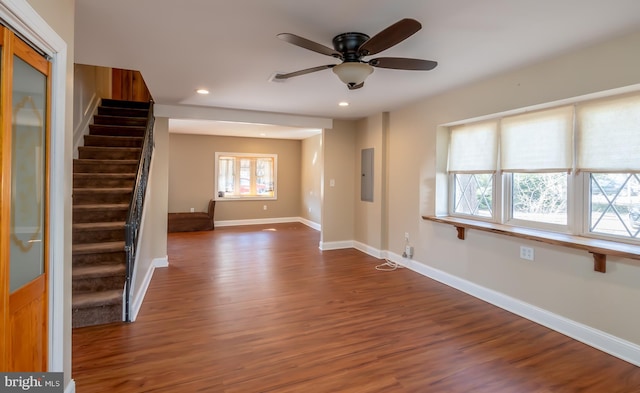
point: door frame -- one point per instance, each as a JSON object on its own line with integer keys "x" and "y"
{"x": 19, "y": 16}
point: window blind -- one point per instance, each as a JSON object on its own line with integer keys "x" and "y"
{"x": 474, "y": 147}
{"x": 538, "y": 141}
{"x": 609, "y": 135}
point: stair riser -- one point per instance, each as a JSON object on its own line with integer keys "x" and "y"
{"x": 108, "y": 141}
{"x": 101, "y": 197}
{"x": 97, "y": 153}
{"x": 105, "y": 235}
{"x": 99, "y": 216}
{"x": 101, "y": 258}
{"x": 129, "y": 112}
{"x": 97, "y": 283}
{"x": 119, "y": 121}
{"x": 97, "y": 316}
{"x": 105, "y": 130}
{"x": 88, "y": 167}
{"x": 124, "y": 104}
{"x": 97, "y": 182}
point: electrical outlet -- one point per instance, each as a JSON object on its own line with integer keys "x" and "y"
{"x": 408, "y": 252}
{"x": 526, "y": 253}
{"x": 406, "y": 236}
{"x": 264, "y": 207}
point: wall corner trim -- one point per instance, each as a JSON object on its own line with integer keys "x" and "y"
{"x": 71, "y": 387}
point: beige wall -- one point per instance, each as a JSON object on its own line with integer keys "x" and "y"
{"x": 90, "y": 84}
{"x": 59, "y": 15}
{"x": 153, "y": 232}
{"x": 368, "y": 216}
{"x": 311, "y": 182}
{"x": 560, "y": 280}
{"x": 191, "y": 176}
{"x": 339, "y": 165}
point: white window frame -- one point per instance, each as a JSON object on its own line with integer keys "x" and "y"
{"x": 221, "y": 196}
{"x": 578, "y": 186}
{"x": 495, "y": 206}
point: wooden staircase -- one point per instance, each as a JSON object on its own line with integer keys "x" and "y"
{"x": 103, "y": 181}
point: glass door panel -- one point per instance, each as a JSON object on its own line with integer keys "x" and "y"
{"x": 28, "y": 159}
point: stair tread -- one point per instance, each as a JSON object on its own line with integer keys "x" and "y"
{"x": 88, "y": 226}
{"x": 96, "y": 299}
{"x": 119, "y": 148}
{"x": 115, "y": 103}
{"x": 142, "y": 111}
{"x": 93, "y": 271}
{"x": 121, "y": 126}
{"x": 121, "y": 117}
{"x": 103, "y": 161}
{"x": 101, "y": 189}
{"x": 89, "y": 248}
{"x": 120, "y": 137}
{"x": 101, "y": 206}
{"x": 107, "y": 175}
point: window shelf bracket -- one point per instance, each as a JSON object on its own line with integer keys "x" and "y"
{"x": 600, "y": 249}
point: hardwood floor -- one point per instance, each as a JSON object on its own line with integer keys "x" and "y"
{"x": 262, "y": 309}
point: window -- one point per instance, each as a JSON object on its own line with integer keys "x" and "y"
{"x": 472, "y": 162}
{"x": 572, "y": 169}
{"x": 246, "y": 176}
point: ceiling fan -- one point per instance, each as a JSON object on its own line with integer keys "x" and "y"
{"x": 352, "y": 47}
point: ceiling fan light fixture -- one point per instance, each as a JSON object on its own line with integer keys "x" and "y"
{"x": 352, "y": 73}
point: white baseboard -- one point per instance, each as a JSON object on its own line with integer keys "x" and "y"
{"x": 603, "y": 341}
{"x": 266, "y": 221}
{"x": 161, "y": 262}
{"x": 137, "y": 302}
{"x": 71, "y": 387}
{"x": 374, "y": 252}
{"x": 310, "y": 224}
{"x": 326, "y": 246}
{"x": 83, "y": 126}
{"x": 595, "y": 338}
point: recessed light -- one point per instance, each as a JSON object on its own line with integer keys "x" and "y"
{"x": 343, "y": 103}
{"x": 202, "y": 91}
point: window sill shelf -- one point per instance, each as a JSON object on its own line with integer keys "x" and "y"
{"x": 599, "y": 248}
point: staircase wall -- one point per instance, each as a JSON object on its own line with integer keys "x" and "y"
{"x": 152, "y": 245}
{"x": 89, "y": 85}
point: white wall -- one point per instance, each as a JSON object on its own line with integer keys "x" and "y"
{"x": 560, "y": 280}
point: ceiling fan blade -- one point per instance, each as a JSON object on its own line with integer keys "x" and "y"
{"x": 390, "y": 36}
{"x": 308, "y": 44}
{"x": 403, "y": 63}
{"x": 354, "y": 87}
{"x": 303, "y": 72}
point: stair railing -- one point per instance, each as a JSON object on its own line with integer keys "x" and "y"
{"x": 134, "y": 216}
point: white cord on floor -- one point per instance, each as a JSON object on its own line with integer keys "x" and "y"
{"x": 389, "y": 266}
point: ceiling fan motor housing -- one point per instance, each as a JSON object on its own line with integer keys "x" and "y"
{"x": 348, "y": 44}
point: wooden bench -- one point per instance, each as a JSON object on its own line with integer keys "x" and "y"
{"x": 191, "y": 222}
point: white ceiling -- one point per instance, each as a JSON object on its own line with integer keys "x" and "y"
{"x": 231, "y": 49}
